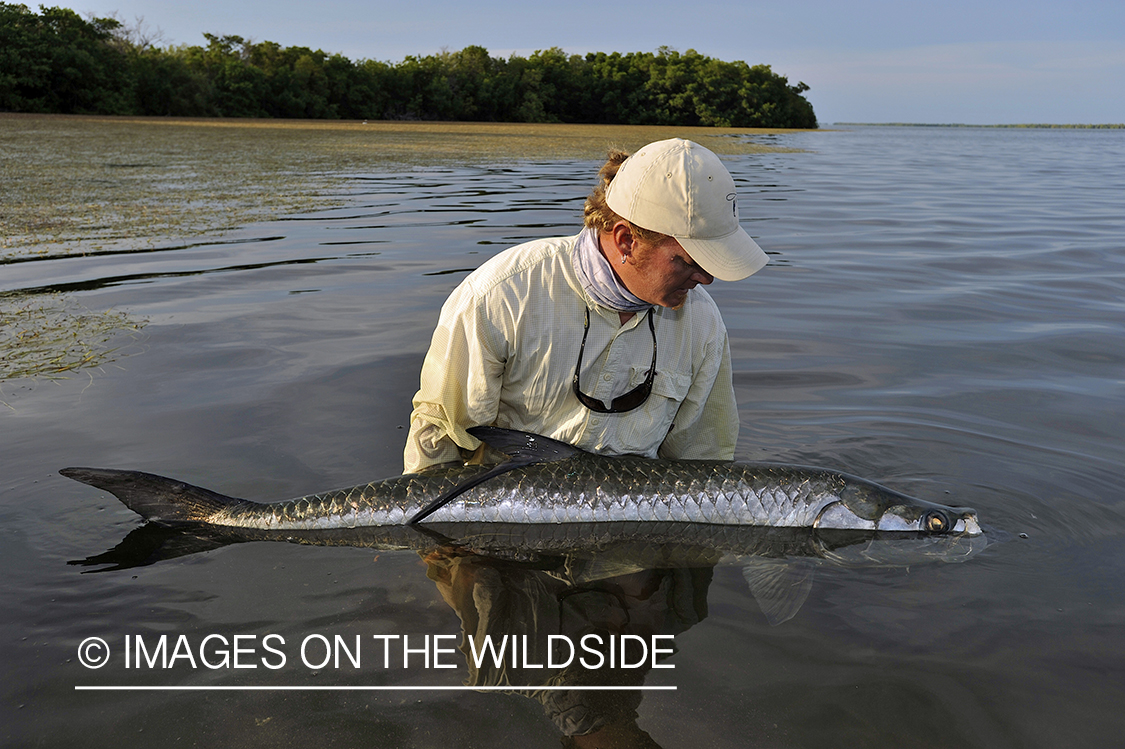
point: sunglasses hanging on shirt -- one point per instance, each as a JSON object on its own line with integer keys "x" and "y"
{"x": 622, "y": 403}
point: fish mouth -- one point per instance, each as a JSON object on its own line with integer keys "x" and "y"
{"x": 968, "y": 525}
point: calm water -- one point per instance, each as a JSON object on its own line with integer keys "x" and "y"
{"x": 944, "y": 313}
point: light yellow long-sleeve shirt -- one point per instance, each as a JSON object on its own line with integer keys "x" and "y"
{"x": 504, "y": 353}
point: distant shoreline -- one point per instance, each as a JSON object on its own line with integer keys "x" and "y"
{"x": 1118, "y": 126}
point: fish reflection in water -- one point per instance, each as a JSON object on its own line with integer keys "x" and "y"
{"x": 531, "y": 582}
{"x": 777, "y": 563}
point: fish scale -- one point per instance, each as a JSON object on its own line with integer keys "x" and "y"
{"x": 585, "y": 489}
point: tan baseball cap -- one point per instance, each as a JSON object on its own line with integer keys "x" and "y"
{"x": 679, "y": 188}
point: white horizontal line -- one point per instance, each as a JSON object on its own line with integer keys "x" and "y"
{"x": 368, "y": 689}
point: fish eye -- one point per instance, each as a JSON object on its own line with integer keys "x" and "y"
{"x": 935, "y": 522}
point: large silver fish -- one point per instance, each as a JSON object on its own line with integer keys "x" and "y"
{"x": 551, "y": 482}
{"x": 604, "y": 516}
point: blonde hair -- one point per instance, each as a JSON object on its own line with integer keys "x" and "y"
{"x": 598, "y": 215}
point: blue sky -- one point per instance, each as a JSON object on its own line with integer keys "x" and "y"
{"x": 957, "y": 61}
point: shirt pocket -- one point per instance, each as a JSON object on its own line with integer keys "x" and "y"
{"x": 650, "y": 423}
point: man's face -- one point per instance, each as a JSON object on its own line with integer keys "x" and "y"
{"x": 664, "y": 273}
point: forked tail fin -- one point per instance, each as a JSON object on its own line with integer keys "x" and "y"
{"x": 154, "y": 497}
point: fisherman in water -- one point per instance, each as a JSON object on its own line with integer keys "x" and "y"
{"x": 601, "y": 340}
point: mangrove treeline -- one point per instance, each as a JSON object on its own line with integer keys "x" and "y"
{"x": 55, "y": 61}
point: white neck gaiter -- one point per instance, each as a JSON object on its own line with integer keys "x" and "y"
{"x": 598, "y": 278}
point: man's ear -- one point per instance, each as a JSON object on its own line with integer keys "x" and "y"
{"x": 623, "y": 237}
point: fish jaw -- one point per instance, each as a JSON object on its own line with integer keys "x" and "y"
{"x": 901, "y": 549}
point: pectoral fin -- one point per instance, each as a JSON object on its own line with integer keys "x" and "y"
{"x": 780, "y": 586}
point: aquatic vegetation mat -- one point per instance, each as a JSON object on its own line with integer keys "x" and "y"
{"x": 51, "y": 336}
{"x": 73, "y": 185}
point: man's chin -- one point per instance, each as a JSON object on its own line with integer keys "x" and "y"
{"x": 676, "y": 300}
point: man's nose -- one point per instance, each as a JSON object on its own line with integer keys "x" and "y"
{"x": 702, "y": 276}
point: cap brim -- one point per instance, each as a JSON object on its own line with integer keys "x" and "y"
{"x": 731, "y": 258}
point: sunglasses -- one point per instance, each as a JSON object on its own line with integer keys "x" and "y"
{"x": 629, "y": 400}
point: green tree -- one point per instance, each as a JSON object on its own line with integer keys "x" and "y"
{"x": 164, "y": 84}
{"x": 55, "y": 61}
{"x": 58, "y": 62}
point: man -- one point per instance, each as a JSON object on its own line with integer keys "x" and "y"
{"x": 603, "y": 339}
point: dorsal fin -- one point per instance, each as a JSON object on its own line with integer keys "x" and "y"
{"x": 534, "y": 448}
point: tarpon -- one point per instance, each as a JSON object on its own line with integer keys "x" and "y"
{"x": 614, "y": 513}
{"x": 559, "y": 483}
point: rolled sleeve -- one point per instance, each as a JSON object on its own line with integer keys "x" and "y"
{"x": 461, "y": 380}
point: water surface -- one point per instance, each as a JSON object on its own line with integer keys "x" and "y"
{"x": 944, "y": 313}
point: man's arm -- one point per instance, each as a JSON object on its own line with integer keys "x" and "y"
{"x": 460, "y": 385}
